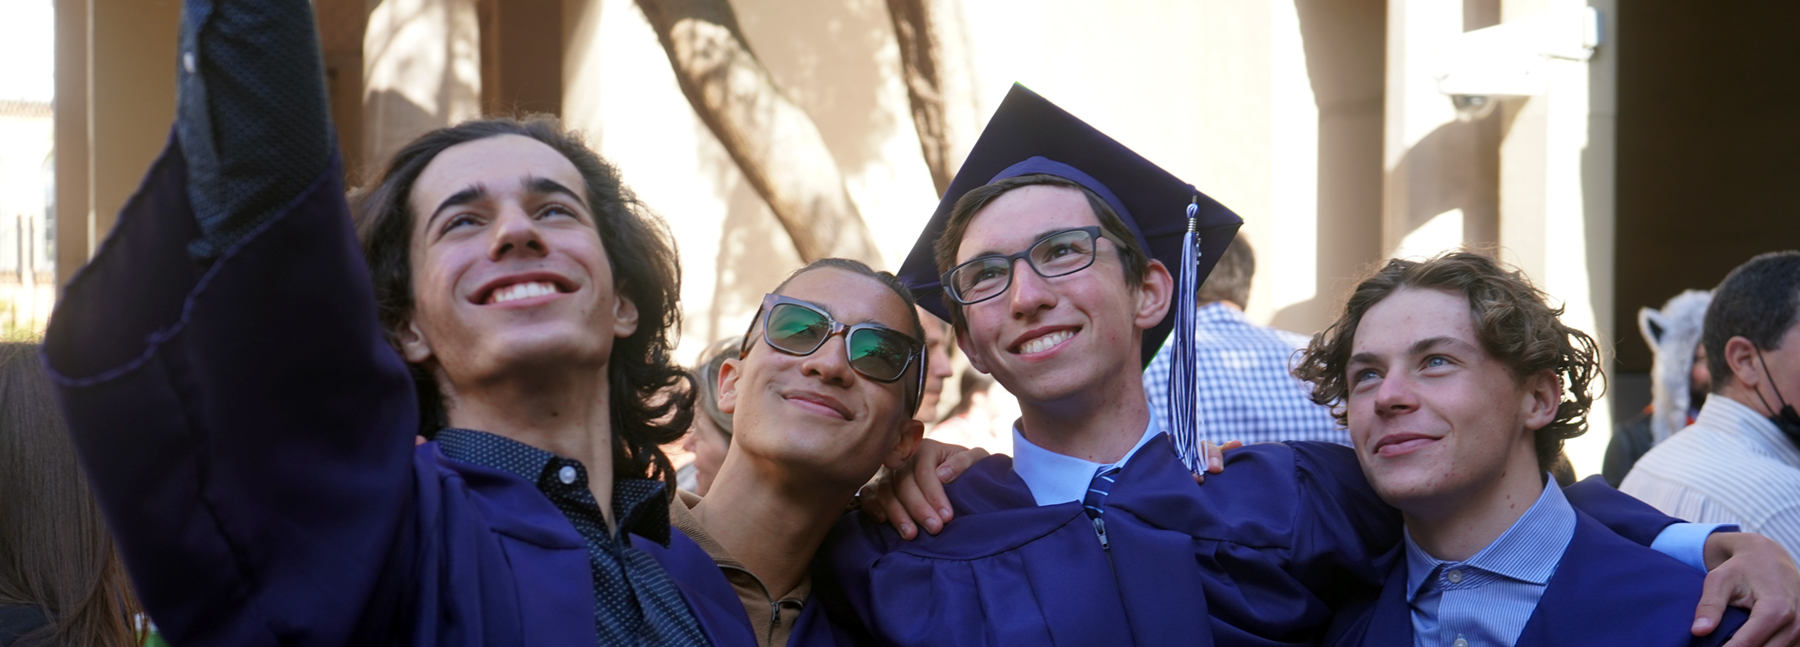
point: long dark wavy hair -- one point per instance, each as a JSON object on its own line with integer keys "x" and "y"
{"x": 55, "y": 552}
{"x": 651, "y": 398}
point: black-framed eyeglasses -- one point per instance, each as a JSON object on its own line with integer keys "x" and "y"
{"x": 1056, "y": 254}
{"x": 799, "y": 328}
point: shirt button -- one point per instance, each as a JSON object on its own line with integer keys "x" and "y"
{"x": 1455, "y": 578}
{"x": 566, "y": 474}
{"x": 1460, "y": 642}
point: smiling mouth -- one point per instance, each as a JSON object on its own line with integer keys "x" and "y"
{"x": 819, "y": 406}
{"x": 519, "y": 291}
{"x": 1045, "y": 342}
{"x": 1402, "y": 445}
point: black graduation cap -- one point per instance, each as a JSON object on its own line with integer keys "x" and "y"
{"x": 1027, "y": 135}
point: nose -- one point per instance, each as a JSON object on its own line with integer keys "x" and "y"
{"x": 1030, "y": 292}
{"x": 830, "y": 363}
{"x": 515, "y": 232}
{"x": 1395, "y": 395}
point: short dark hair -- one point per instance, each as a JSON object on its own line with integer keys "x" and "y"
{"x": 1230, "y": 279}
{"x": 1758, "y": 301}
{"x": 1512, "y": 318}
{"x": 913, "y": 389}
{"x": 646, "y": 410}
{"x": 1135, "y": 260}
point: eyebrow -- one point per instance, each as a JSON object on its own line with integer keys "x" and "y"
{"x": 471, "y": 194}
{"x": 547, "y": 186}
{"x": 1416, "y": 348}
{"x": 1041, "y": 235}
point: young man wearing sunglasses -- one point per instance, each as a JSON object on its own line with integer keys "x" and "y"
{"x": 1094, "y": 533}
{"x": 821, "y": 394}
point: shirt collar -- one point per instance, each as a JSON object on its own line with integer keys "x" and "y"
{"x": 1732, "y": 416}
{"x": 637, "y": 503}
{"x": 1055, "y": 478}
{"x": 1528, "y": 551}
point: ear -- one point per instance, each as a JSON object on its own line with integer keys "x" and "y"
{"x": 1740, "y": 356}
{"x": 413, "y": 345}
{"x": 976, "y": 361}
{"x": 1153, "y": 295}
{"x": 1650, "y": 322}
{"x": 727, "y": 386}
{"x": 625, "y": 315}
{"x": 904, "y": 446}
{"x": 1543, "y": 396}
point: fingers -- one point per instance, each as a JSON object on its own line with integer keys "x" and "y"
{"x": 959, "y": 463}
{"x": 1713, "y": 600}
{"x": 923, "y": 496}
{"x": 1231, "y": 444}
{"x": 894, "y": 511}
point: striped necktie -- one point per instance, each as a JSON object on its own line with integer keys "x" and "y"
{"x": 1095, "y": 501}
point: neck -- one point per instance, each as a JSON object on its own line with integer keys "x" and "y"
{"x": 1456, "y": 526}
{"x": 1098, "y": 426}
{"x": 569, "y": 416}
{"x": 769, "y": 520}
{"x": 1746, "y": 395}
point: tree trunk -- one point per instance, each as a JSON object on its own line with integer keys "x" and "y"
{"x": 773, "y": 141}
{"x": 933, "y": 62}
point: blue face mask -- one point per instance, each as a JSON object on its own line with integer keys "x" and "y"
{"x": 1787, "y": 420}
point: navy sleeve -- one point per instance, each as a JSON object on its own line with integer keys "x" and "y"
{"x": 1345, "y": 535}
{"x": 244, "y": 424}
{"x": 1618, "y": 511}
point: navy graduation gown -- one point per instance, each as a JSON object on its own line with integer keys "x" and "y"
{"x": 1286, "y": 532}
{"x": 1606, "y": 591}
{"x": 249, "y": 435}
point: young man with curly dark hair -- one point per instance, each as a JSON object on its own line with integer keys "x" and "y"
{"x": 246, "y": 398}
{"x": 1459, "y": 383}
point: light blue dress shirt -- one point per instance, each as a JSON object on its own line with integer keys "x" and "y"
{"x": 1487, "y": 599}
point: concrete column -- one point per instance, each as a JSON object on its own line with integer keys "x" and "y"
{"x": 421, "y": 70}
{"x": 115, "y": 100}
{"x": 1556, "y": 196}
{"x": 1442, "y": 182}
{"x": 71, "y": 124}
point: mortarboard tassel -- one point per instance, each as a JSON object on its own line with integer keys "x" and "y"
{"x": 1182, "y": 414}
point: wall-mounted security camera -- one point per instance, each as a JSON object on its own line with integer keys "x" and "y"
{"x": 1513, "y": 58}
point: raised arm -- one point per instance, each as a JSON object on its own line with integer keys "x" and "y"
{"x": 244, "y": 424}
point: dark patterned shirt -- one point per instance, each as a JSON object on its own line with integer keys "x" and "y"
{"x": 635, "y": 602}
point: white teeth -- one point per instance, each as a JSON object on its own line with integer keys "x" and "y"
{"x": 1045, "y": 342}
{"x": 522, "y": 291}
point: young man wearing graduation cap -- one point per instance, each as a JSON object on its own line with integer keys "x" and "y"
{"x": 1459, "y": 384}
{"x": 1095, "y": 532}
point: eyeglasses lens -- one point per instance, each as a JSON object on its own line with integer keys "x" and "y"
{"x": 878, "y": 354}
{"x": 795, "y": 329}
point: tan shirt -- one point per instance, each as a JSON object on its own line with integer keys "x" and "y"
{"x": 771, "y": 618}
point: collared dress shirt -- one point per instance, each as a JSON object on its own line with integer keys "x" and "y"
{"x": 1055, "y": 478}
{"x": 635, "y": 602}
{"x": 1731, "y": 466}
{"x": 1487, "y": 598}
{"x": 1243, "y": 389}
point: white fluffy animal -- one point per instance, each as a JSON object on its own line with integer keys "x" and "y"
{"x": 1672, "y": 333}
